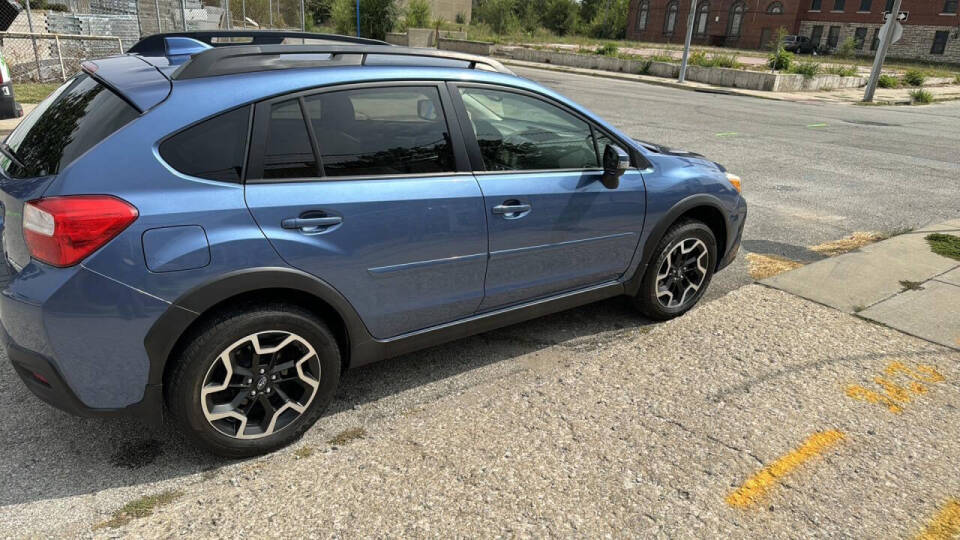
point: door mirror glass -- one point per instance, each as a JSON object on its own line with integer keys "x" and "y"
{"x": 426, "y": 110}
{"x": 615, "y": 162}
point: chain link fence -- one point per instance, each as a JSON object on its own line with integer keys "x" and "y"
{"x": 48, "y": 45}
{"x": 52, "y": 57}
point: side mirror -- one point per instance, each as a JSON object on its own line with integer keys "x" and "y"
{"x": 426, "y": 110}
{"x": 615, "y": 162}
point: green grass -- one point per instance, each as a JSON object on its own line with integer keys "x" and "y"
{"x": 914, "y": 77}
{"x": 807, "y": 69}
{"x": 843, "y": 71}
{"x": 921, "y": 96}
{"x": 888, "y": 81}
{"x": 33, "y": 92}
{"x": 140, "y": 508}
{"x": 946, "y": 245}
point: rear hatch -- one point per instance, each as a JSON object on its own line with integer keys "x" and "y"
{"x": 73, "y": 119}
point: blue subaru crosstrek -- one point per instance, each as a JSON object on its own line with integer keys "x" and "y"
{"x": 219, "y": 229}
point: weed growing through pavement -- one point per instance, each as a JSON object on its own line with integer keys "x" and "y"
{"x": 921, "y": 97}
{"x": 348, "y": 435}
{"x": 947, "y": 245}
{"x": 910, "y": 285}
{"x": 303, "y": 452}
{"x": 140, "y": 508}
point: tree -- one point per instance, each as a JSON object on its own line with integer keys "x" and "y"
{"x": 561, "y": 16}
{"x": 377, "y": 17}
{"x": 499, "y": 14}
{"x": 610, "y": 21}
{"x": 418, "y": 14}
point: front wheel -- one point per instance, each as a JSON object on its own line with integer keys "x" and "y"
{"x": 680, "y": 272}
{"x": 253, "y": 380}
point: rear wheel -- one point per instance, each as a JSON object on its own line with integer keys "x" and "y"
{"x": 253, "y": 380}
{"x": 680, "y": 273}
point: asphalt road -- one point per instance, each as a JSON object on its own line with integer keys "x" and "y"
{"x": 812, "y": 172}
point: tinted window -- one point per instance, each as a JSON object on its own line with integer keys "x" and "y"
{"x": 211, "y": 149}
{"x": 289, "y": 153}
{"x": 381, "y": 131}
{"x": 518, "y": 132}
{"x": 69, "y": 122}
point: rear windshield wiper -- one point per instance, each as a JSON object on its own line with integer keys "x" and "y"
{"x": 12, "y": 154}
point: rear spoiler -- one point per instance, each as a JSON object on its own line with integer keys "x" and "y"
{"x": 156, "y": 45}
{"x": 135, "y": 80}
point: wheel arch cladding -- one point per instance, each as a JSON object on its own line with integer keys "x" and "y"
{"x": 704, "y": 208}
{"x": 174, "y": 329}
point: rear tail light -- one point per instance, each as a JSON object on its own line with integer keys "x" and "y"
{"x": 62, "y": 231}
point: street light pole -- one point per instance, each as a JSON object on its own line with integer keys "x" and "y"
{"x": 689, "y": 38}
{"x": 183, "y": 13}
{"x": 882, "y": 52}
{"x": 358, "y": 18}
{"x": 303, "y": 17}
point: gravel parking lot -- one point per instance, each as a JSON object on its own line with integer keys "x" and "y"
{"x": 696, "y": 427}
{"x": 593, "y": 421}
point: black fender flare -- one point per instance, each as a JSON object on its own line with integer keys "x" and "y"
{"x": 656, "y": 234}
{"x": 167, "y": 330}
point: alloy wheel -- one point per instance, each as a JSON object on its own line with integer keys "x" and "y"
{"x": 260, "y": 384}
{"x": 682, "y": 272}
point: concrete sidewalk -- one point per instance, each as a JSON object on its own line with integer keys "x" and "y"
{"x": 898, "y": 282}
{"x": 883, "y": 96}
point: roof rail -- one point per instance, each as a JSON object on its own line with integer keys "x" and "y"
{"x": 254, "y": 58}
{"x": 154, "y": 45}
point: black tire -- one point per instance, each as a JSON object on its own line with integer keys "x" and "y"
{"x": 647, "y": 299}
{"x": 225, "y": 330}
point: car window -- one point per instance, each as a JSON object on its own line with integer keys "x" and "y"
{"x": 516, "y": 132}
{"x": 212, "y": 149}
{"x": 73, "y": 119}
{"x": 289, "y": 152}
{"x": 381, "y": 131}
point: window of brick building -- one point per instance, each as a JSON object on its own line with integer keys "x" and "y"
{"x": 642, "y": 14}
{"x": 670, "y": 21}
{"x": 875, "y": 42}
{"x": 775, "y": 8}
{"x": 736, "y": 19}
{"x": 950, "y": 6}
{"x": 939, "y": 41}
{"x": 833, "y": 37}
{"x": 816, "y": 34}
{"x": 838, "y": 5}
{"x": 865, "y": 5}
{"x": 889, "y": 6}
{"x": 815, "y": 5}
{"x": 703, "y": 17}
{"x": 860, "y": 37}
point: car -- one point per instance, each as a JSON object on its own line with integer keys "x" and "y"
{"x": 799, "y": 44}
{"x": 213, "y": 231}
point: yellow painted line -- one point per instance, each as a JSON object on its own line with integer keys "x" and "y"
{"x": 760, "y": 483}
{"x": 945, "y": 525}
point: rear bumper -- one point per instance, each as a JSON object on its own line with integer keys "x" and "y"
{"x": 76, "y": 338}
{"x": 42, "y": 378}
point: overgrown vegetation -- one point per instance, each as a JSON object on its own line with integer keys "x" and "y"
{"x": 807, "y": 69}
{"x": 780, "y": 60}
{"x": 888, "y": 81}
{"x": 140, "y": 508}
{"x": 947, "y": 245}
{"x": 921, "y": 96}
{"x": 607, "y": 49}
{"x": 417, "y": 14}
{"x": 377, "y": 17}
{"x": 847, "y": 48}
{"x": 914, "y": 77}
{"x": 702, "y": 59}
{"x": 843, "y": 71}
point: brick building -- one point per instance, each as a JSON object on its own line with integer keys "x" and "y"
{"x": 931, "y": 32}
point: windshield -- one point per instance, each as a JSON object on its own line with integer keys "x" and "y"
{"x": 74, "y": 118}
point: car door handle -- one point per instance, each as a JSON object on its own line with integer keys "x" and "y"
{"x": 512, "y": 210}
{"x": 311, "y": 224}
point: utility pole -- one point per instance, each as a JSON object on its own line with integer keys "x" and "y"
{"x": 33, "y": 38}
{"x": 183, "y": 13}
{"x": 882, "y": 51}
{"x": 303, "y": 17}
{"x": 270, "y": 9}
{"x": 689, "y": 38}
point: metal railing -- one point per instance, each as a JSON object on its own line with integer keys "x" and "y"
{"x": 44, "y": 57}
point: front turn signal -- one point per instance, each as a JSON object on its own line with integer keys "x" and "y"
{"x": 734, "y": 181}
